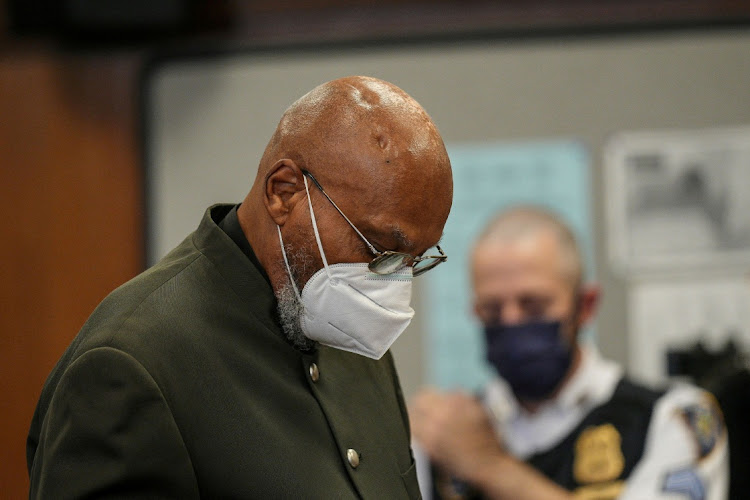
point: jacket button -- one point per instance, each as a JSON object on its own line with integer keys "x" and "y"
{"x": 314, "y": 372}
{"x": 353, "y": 457}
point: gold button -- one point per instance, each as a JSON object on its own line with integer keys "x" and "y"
{"x": 314, "y": 372}
{"x": 353, "y": 457}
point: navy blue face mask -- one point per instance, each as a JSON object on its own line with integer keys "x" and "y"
{"x": 532, "y": 357}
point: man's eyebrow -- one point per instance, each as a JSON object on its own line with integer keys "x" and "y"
{"x": 404, "y": 241}
{"x": 400, "y": 237}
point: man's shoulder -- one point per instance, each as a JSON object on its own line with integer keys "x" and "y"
{"x": 194, "y": 293}
{"x": 696, "y": 408}
{"x": 147, "y": 294}
{"x": 692, "y": 407}
{"x": 181, "y": 305}
{"x": 161, "y": 307}
{"x": 668, "y": 396}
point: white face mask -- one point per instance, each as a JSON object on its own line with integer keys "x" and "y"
{"x": 348, "y": 307}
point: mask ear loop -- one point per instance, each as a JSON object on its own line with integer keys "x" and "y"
{"x": 317, "y": 235}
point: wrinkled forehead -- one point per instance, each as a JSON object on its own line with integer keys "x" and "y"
{"x": 519, "y": 265}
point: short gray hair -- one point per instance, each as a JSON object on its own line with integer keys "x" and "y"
{"x": 524, "y": 221}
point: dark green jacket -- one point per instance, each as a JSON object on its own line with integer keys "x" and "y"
{"x": 181, "y": 385}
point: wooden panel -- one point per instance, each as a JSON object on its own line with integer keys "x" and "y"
{"x": 72, "y": 225}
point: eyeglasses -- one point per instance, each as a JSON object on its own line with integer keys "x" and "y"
{"x": 388, "y": 261}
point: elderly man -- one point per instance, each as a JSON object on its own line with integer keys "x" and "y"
{"x": 252, "y": 361}
{"x": 559, "y": 421}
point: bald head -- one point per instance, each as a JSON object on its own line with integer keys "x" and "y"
{"x": 375, "y": 151}
{"x": 355, "y": 123}
{"x": 531, "y": 223}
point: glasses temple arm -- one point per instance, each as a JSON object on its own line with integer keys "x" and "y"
{"x": 369, "y": 245}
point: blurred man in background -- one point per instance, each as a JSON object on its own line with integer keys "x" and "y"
{"x": 558, "y": 421}
{"x": 252, "y": 361}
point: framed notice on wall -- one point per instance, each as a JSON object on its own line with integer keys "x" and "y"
{"x": 679, "y": 201}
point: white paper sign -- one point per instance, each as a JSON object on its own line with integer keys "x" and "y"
{"x": 678, "y": 200}
{"x": 676, "y": 314}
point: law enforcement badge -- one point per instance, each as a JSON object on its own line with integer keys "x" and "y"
{"x": 598, "y": 455}
{"x": 706, "y": 424}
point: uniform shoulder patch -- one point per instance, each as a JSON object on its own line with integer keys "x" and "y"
{"x": 706, "y": 423}
{"x": 684, "y": 482}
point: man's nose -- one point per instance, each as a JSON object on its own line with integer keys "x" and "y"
{"x": 511, "y": 314}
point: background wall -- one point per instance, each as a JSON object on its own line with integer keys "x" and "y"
{"x": 72, "y": 178}
{"x": 206, "y": 111}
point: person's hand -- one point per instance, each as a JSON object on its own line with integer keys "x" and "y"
{"x": 455, "y": 431}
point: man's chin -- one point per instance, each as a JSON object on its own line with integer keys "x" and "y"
{"x": 289, "y": 309}
{"x": 298, "y": 339}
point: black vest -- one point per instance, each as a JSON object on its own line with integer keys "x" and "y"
{"x": 598, "y": 455}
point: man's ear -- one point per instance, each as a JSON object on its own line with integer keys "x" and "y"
{"x": 475, "y": 309}
{"x": 589, "y": 301}
{"x": 283, "y": 187}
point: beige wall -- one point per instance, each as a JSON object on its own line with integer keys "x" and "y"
{"x": 72, "y": 185}
{"x": 582, "y": 88}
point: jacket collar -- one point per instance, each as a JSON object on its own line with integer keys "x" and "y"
{"x": 245, "y": 279}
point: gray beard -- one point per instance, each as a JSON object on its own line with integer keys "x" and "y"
{"x": 290, "y": 308}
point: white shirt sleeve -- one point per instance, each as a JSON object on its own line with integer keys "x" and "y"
{"x": 686, "y": 451}
{"x": 424, "y": 473}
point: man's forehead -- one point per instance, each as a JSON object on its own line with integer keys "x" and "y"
{"x": 399, "y": 215}
{"x": 502, "y": 273}
{"x": 496, "y": 264}
{"x": 538, "y": 253}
